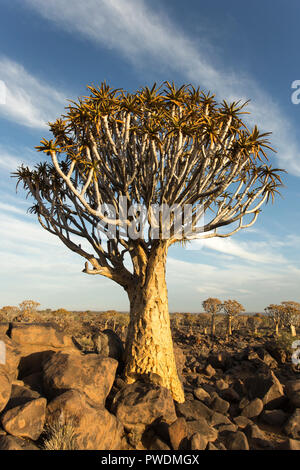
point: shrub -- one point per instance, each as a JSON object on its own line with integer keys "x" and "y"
{"x": 60, "y": 435}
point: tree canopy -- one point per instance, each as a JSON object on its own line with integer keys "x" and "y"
{"x": 159, "y": 145}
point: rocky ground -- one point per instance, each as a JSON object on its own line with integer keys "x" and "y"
{"x": 241, "y": 393}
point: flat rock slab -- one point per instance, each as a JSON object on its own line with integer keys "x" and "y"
{"x": 42, "y": 334}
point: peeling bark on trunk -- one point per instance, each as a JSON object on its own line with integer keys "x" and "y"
{"x": 149, "y": 345}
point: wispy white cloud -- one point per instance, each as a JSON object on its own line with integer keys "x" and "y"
{"x": 11, "y": 158}
{"x": 131, "y": 27}
{"x": 35, "y": 264}
{"x": 256, "y": 252}
{"x": 7, "y": 160}
{"x": 29, "y": 101}
{"x": 254, "y": 285}
{"x": 10, "y": 209}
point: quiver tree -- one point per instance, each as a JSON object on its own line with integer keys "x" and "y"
{"x": 28, "y": 311}
{"x": 165, "y": 148}
{"x": 29, "y": 306}
{"x": 275, "y": 312}
{"x": 291, "y": 315}
{"x": 254, "y": 321}
{"x": 213, "y": 307}
{"x": 9, "y": 312}
{"x": 231, "y": 309}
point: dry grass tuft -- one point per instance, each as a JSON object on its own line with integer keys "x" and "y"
{"x": 60, "y": 434}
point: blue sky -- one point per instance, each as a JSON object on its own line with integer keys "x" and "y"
{"x": 50, "y": 50}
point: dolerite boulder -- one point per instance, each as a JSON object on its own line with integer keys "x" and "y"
{"x": 35, "y": 382}
{"x": 140, "y": 404}
{"x": 198, "y": 442}
{"x": 194, "y": 410}
{"x": 94, "y": 427}
{"x": 236, "y": 441}
{"x": 25, "y": 420}
{"x": 274, "y": 417}
{"x": 36, "y": 343}
{"x": 5, "y": 387}
{"x": 4, "y": 326}
{"x": 257, "y": 437}
{"x": 177, "y": 433}
{"x": 267, "y": 388}
{"x": 201, "y": 394}
{"x": 218, "y": 404}
{"x": 180, "y": 359}
{"x": 201, "y": 427}
{"x": 289, "y": 444}
{"x": 15, "y": 443}
{"x": 242, "y": 421}
{"x": 292, "y": 389}
{"x": 108, "y": 344}
{"x": 253, "y": 409}
{"x": 230, "y": 395}
{"x": 90, "y": 374}
{"x": 221, "y": 360}
{"x": 12, "y": 356}
{"x": 45, "y": 335}
{"x": 267, "y": 358}
{"x": 292, "y": 426}
{"x": 20, "y": 395}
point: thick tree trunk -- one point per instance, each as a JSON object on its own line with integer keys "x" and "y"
{"x": 276, "y": 329}
{"x": 293, "y": 330}
{"x": 149, "y": 345}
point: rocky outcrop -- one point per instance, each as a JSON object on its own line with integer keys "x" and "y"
{"x": 15, "y": 443}
{"x": 42, "y": 335}
{"x": 37, "y": 343}
{"x": 95, "y": 428}
{"x": 52, "y": 368}
{"x": 25, "y": 420}
{"x": 141, "y": 404}
{"x": 108, "y": 344}
{"x": 90, "y": 374}
{"x": 178, "y": 433}
{"x": 253, "y": 408}
{"x": 12, "y": 356}
{"x": 292, "y": 427}
{"x": 5, "y": 387}
{"x": 293, "y": 392}
{"x": 267, "y": 388}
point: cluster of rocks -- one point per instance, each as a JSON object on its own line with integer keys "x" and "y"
{"x": 230, "y": 404}
{"x": 46, "y": 378}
